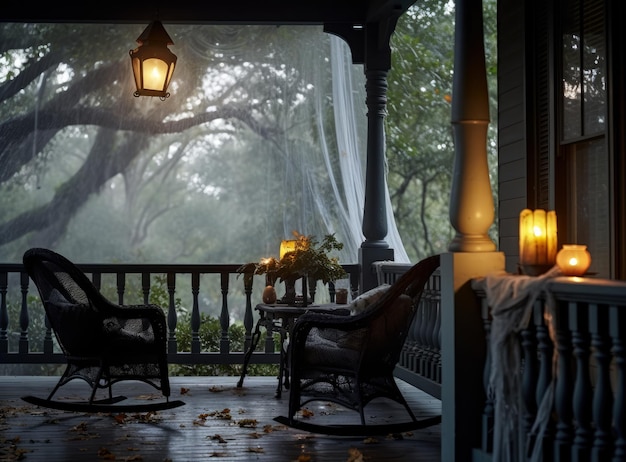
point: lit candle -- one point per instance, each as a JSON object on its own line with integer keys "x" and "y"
{"x": 287, "y": 246}
{"x": 537, "y": 237}
{"x": 573, "y": 260}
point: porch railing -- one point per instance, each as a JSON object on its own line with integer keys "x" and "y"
{"x": 420, "y": 361}
{"x": 201, "y": 289}
{"x": 578, "y": 349}
{"x": 219, "y": 289}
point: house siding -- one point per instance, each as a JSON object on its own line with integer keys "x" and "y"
{"x": 512, "y": 127}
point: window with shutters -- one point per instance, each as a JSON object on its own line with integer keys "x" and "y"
{"x": 582, "y": 167}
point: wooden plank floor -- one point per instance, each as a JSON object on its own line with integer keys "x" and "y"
{"x": 218, "y": 421}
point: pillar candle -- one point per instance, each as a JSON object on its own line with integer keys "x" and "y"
{"x": 537, "y": 237}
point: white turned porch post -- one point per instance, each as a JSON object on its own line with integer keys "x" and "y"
{"x": 471, "y": 253}
{"x": 471, "y": 200}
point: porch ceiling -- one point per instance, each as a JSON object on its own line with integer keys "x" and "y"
{"x": 214, "y": 12}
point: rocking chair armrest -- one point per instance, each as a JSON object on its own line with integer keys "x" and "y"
{"x": 321, "y": 320}
{"x": 151, "y": 312}
{"x": 308, "y": 321}
{"x": 137, "y": 311}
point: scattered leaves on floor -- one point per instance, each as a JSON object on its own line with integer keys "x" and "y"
{"x": 247, "y": 423}
{"x": 148, "y": 417}
{"x": 354, "y": 455}
{"x": 149, "y": 397}
{"x": 80, "y": 432}
{"x": 257, "y": 450}
{"x": 239, "y": 391}
{"x": 9, "y": 449}
{"x": 223, "y": 414}
{"x": 184, "y": 391}
{"x": 306, "y": 413}
{"x": 105, "y": 454}
{"x": 215, "y": 389}
{"x": 219, "y": 439}
{"x": 370, "y": 440}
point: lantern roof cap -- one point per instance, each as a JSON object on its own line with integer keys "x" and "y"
{"x": 155, "y": 32}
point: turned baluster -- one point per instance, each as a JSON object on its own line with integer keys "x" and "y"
{"x": 563, "y": 390}
{"x": 618, "y": 330}
{"x": 581, "y": 342}
{"x": 545, "y": 347}
{"x": 602, "y": 397}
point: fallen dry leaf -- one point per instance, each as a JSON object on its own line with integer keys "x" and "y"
{"x": 354, "y": 455}
{"x": 104, "y": 453}
{"x": 306, "y": 413}
{"x": 247, "y": 423}
{"x": 223, "y": 414}
{"x": 81, "y": 427}
{"x": 258, "y": 450}
{"x": 219, "y": 439}
{"x": 184, "y": 391}
{"x": 304, "y": 458}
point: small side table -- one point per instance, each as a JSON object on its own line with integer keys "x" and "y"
{"x": 280, "y": 318}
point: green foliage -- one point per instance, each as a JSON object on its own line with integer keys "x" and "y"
{"x": 420, "y": 145}
{"x": 210, "y": 334}
{"x": 36, "y": 334}
{"x": 309, "y": 258}
{"x": 214, "y": 190}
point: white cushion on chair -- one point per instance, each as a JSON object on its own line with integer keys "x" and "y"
{"x": 366, "y": 299}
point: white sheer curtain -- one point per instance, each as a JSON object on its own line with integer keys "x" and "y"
{"x": 287, "y": 154}
{"x": 348, "y": 93}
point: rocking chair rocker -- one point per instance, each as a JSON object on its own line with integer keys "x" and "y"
{"x": 349, "y": 360}
{"x": 103, "y": 343}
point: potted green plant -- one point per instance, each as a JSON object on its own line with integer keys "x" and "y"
{"x": 310, "y": 260}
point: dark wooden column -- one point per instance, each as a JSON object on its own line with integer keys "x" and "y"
{"x": 369, "y": 45}
{"x": 375, "y": 247}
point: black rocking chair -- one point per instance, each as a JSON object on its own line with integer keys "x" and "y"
{"x": 103, "y": 342}
{"x": 349, "y": 360}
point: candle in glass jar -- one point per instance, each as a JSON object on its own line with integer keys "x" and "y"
{"x": 573, "y": 260}
{"x": 538, "y": 237}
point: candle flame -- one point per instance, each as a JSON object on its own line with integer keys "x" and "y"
{"x": 537, "y": 231}
{"x": 573, "y": 261}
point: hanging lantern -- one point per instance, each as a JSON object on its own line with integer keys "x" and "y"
{"x": 153, "y": 62}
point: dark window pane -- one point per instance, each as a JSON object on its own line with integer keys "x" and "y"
{"x": 572, "y": 85}
{"x": 594, "y": 68}
{"x": 588, "y": 201}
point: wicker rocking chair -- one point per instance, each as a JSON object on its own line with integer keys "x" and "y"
{"x": 103, "y": 343}
{"x": 349, "y": 360}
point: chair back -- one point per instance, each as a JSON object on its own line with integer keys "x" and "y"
{"x": 50, "y": 270}
{"x": 70, "y": 300}
{"x": 392, "y": 315}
